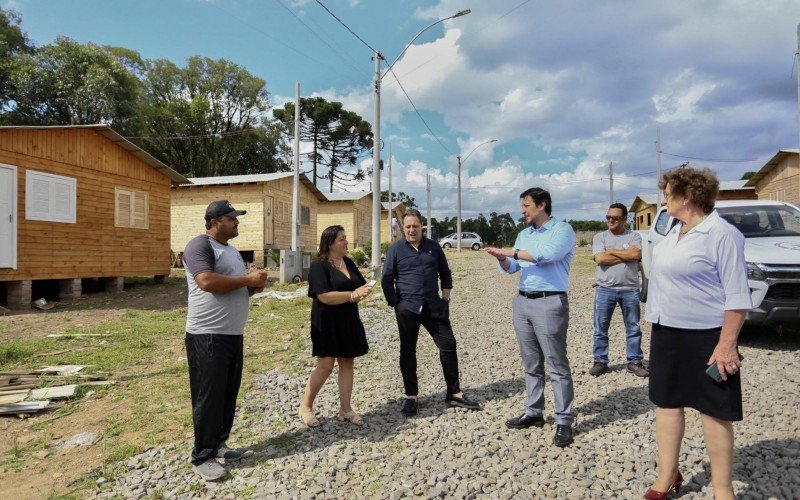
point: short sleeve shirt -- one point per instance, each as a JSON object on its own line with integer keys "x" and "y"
{"x": 623, "y": 275}
{"x": 214, "y": 313}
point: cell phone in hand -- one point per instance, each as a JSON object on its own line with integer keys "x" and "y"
{"x": 371, "y": 283}
{"x": 713, "y": 372}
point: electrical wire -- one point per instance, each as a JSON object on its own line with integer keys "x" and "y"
{"x": 281, "y": 42}
{"x": 419, "y": 114}
{"x": 346, "y": 26}
{"x": 313, "y": 32}
{"x": 713, "y": 160}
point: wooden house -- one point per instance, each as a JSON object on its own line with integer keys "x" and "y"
{"x": 353, "y": 211}
{"x": 643, "y": 208}
{"x": 736, "y": 190}
{"x": 79, "y": 202}
{"x": 398, "y": 210}
{"x": 268, "y": 222}
{"x": 779, "y": 178}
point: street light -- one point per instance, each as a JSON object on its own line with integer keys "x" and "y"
{"x": 458, "y": 216}
{"x": 376, "y": 145}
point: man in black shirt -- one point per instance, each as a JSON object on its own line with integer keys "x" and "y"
{"x": 410, "y": 284}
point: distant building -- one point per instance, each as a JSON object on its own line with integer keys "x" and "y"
{"x": 643, "y": 208}
{"x": 353, "y": 211}
{"x": 779, "y": 178}
{"x": 736, "y": 190}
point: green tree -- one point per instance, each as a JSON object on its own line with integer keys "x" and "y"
{"x": 206, "y": 119}
{"x": 338, "y": 137}
{"x": 401, "y": 197}
{"x": 68, "y": 83}
{"x": 13, "y": 43}
{"x": 748, "y": 175}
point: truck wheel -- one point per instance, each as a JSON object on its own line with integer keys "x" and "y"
{"x": 297, "y": 279}
{"x": 643, "y": 281}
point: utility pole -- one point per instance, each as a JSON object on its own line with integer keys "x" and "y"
{"x": 296, "y": 185}
{"x": 658, "y": 166}
{"x": 428, "y": 189}
{"x": 376, "y": 172}
{"x": 797, "y": 65}
{"x": 611, "y": 181}
{"x": 389, "y": 221}
{"x": 458, "y": 210}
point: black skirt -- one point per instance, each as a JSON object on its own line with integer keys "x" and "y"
{"x": 678, "y": 376}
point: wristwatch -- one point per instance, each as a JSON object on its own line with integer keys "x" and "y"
{"x": 516, "y": 254}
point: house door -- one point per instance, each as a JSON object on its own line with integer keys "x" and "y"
{"x": 269, "y": 227}
{"x": 8, "y": 216}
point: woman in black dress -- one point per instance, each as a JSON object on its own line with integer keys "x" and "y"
{"x": 337, "y": 334}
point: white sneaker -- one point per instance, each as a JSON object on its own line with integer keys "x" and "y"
{"x": 210, "y": 470}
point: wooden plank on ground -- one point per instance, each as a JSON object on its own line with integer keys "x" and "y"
{"x": 58, "y": 392}
{"x": 61, "y": 369}
{"x": 23, "y": 407}
{"x": 16, "y": 397}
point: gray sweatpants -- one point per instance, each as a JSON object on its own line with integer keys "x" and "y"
{"x": 541, "y": 328}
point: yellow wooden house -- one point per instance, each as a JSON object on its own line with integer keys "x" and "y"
{"x": 779, "y": 178}
{"x": 268, "y": 222}
{"x": 353, "y": 211}
{"x": 76, "y": 203}
{"x": 644, "y": 208}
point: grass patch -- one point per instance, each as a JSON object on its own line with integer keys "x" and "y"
{"x": 150, "y": 405}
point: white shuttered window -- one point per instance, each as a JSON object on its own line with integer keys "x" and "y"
{"x": 50, "y": 197}
{"x": 130, "y": 208}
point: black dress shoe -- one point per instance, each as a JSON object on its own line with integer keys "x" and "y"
{"x": 462, "y": 402}
{"x": 409, "y": 407}
{"x": 563, "y": 436}
{"x": 524, "y": 421}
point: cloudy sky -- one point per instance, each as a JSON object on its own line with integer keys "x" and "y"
{"x": 565, "y": 87}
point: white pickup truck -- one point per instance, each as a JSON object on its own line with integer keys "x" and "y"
{"x": 772, "y": 250}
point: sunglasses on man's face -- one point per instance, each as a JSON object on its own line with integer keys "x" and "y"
{"x": 613, "y": 217}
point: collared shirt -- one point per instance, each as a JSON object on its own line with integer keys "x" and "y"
{"x": 552, "y": 245}
{"x": 411, "y": 276}
{"x": 695, "y": 280}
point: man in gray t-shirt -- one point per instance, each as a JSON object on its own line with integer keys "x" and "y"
{"x": 617, "y": 253}
{"x": 219, "y": 290}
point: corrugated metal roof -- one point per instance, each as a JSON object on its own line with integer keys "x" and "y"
{"x": 252, "y": 178}
{"x": 734, "y": 185}
{"x": 239, "y": 179}
{"x": 346, "y": 196}
{"x": 120, "y": 141}
{"x": 772, "y": 163}
{"x": 395, "y": 204}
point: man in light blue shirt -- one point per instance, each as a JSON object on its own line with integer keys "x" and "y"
{"x": 543, "y": 253}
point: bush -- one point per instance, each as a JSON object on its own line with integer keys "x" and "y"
{"x": 584, "y": 243}
{"x": 368, "y": 248}
{"x": 358, "y": 256}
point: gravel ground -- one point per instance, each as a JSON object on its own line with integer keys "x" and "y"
{"x": 456, "y": 453}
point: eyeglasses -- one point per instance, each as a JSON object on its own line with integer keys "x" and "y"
{"x": 614, "y": 217}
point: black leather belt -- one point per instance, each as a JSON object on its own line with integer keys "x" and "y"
{"x": 539, "y": 295}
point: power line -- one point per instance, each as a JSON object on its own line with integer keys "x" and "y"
{"x": 336, "y": 51}
{"x": 221, "y": 135}
{"x": 346, "y": 26}
{"x": 280, "y": 42}
{"x": 418, "y": 113}
{"x": 714, "y": 160}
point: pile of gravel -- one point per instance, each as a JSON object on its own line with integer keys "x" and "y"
{"x": 447, "y": 452}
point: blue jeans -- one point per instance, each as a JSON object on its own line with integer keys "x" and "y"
{"x": 605, "y": 301}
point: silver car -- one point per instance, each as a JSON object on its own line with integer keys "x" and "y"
{"x": 468, "y": 240}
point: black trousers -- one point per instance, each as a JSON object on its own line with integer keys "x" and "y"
{"x": 435, "y": 317}
{"x": 215, "y": 374}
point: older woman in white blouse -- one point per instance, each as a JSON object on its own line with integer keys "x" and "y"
{"x": 697, "y": 300}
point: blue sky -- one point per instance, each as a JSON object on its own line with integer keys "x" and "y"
{"x": 565, "y": 87}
